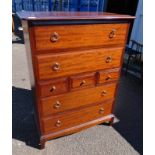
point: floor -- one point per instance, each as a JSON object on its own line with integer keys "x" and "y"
{"x": 124, "y": 138}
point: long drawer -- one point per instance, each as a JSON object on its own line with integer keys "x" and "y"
{"x": 77, "y": 36}
{"x": 75, "y": 99}
{"x": 75, "y": 118}
{"x": 64, "y": 64}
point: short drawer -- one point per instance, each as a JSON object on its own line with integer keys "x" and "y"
{"x": 64, "y": 64}
{"x": 75, "y": 118}
{"x": 76, "y": 99}
{"x": 76, "y": 36}
{"x": 108, "y": 75}
{"x": 53, "y": 87}
{"x": 82, "y": 81}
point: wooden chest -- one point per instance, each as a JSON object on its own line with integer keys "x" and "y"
{"x": 74, "y": 61}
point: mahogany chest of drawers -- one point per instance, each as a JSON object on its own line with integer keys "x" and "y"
{"x": 74, "y": 62}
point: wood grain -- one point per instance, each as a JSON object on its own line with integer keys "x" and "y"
{"x": 77, "y": 62}
{"x": 79, "y": 53}
{"x": 35, "y": 16}
{"x": 77, "y": 128}
{"x": 78, "y": 36}
{"x": 83, "y": 81}
{"x": 75, "y": 118}
{"x": 77, "y": 99}
{"x": 53, "y": 87}
{"x": 108, "y": 76}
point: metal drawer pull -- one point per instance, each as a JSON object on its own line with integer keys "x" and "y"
{"x": 20, "y": 28}
{"x": 57, "y": 105}
{"x": 82, "y": 83}
{"x": 112, "y": 34}
{"x": 108, "y": 59}
{"x": 56, "y": 66}
{"x": 58, "y": 123}
{"x": 55, "y": 37}
{"x": 108, "y": 77}
{"x": 53, "y": 88}
{"x": 104, "y": 93}
{"x": 101, "y": 111}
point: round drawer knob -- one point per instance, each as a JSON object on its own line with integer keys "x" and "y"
{"x": 57, "y": 105}
{"x": 53, "y": 88}
{"x": 108, "y": 59}
{"x": 112, "y": 34}
{"x": 104, "y": 93}
{"x": 58, "y": 123}
{"x": 56, "y": 66}
{"x": 55, "y": 37}
{"x": 108, "y": 77}
{"x": 82, "y": 83}
{"x": 101, "y": 111}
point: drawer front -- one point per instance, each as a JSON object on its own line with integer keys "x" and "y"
{"x": 53, "y": 87}
{"x": 83, "y": 81}
{"x": 75, "y": 99}
{"x": 77, "y": 36}
{"x": 108, "y": 76}
{"x": 74, "y": 118}
{"x": 64, "y": 64}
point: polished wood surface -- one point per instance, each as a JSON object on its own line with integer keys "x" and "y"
{"x": 27, "y": 15}
{"x": 76, "y": 99}
{"x": 63, "y": 121}
{"x": 83, "y": 81}
{"x": 77, "y": 36}
{"x": 53, "y": 87}
{"x": 74, "y": 129}
{"x": 77, "y": 62}
{"x": 108, "y": 76}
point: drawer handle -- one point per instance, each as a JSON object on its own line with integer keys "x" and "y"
{"x": 82, "y": 83}
{"x": 101, "y": 111}
{"x": 108, "y": 59}
{"x": 58, "y": 123}
{"x": 108, "y": 77}
{"x": 56, "y": 67}
{"x": 112, "y": 34}
{"x": 104, "y": 93}
{"x": 55, "y": 37}
{"x": 57, "y": 105}
{"x": 53, "y": 88}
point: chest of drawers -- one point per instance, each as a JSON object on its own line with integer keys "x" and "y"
{"x": 74, "y": 62}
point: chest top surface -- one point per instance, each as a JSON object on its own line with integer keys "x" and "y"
{"x": 33, "y": 16}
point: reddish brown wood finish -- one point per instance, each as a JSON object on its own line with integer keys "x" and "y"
{"x": 77, "y": 128}
{"x": 74, "y": 118}
{"x": 77, "y": 62}
{"x": 88, "y": 51}
{"x": 108, "y": 76}
{"x": 78, "y": 36}
{"x": 83, "y": 81}
{"x": 77, "y": 99}
{"x": 33, "y": 16}
{"x": 53, "y": 87}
